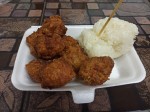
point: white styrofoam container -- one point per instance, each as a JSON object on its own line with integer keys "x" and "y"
{"x": 128, "y": 69}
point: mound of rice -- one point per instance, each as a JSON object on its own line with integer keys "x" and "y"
{"x": 116, "y": 40}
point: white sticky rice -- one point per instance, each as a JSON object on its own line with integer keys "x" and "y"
{"x": 117, "y": 38}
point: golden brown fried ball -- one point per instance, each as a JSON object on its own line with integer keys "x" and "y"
{"x": 73, "y": 53}
{"x": 48, "y": 48}
{"x": 56, "y": 74}
{"x": 46, "y": 42}
{"x": 34, "y": 68}
{"x": 96, "y": 70}
{"x": 53, "y": 25}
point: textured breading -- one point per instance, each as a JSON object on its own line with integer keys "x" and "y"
{"x": 96, "y": 70}
{"x": 54, "y": 25}
{"x": 34, "y": 68}
{"x": 73, "y": 53}
{"x": 69, "y": 41}
{"x": 31, "y": 41}
{"x": 56, "y": 74}
{"x": 46, "y": 42}
{"x": 48, "y": 48}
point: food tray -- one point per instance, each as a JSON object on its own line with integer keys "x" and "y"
{"x": 128, "y": 69}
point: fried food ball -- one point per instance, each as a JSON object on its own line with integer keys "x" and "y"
{"x": 56, "y": 20}
{"x": 56, "y": 74}
{"x": 46, "y": 42}
{"x": 53, "y": 25}
{"x": 48, "y": 48}
{"x": 73, "y": 53}
{"x": 34, "y": 68}
{"x": 96, "y": 70}
{"x": 31, "y": 41}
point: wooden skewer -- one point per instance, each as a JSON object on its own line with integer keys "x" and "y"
{"x": 112, "y": 14}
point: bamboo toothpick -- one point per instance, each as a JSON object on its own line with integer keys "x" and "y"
{"x": 112, "y": 14}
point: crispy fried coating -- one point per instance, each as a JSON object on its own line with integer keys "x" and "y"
{"x": 46, "y": 42}
{"x": 53, "y": 25}
{"x": 31, "y": 41}
{"x": 56, "y": 74}
{"x": 69, "y": 41}
{"x": 47, "y": 48}
{"x": 96, "y": 70}
{"x": 73, "y": 53}
{"x": 56, "y": 20}
{"x": 34, "y": 68}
